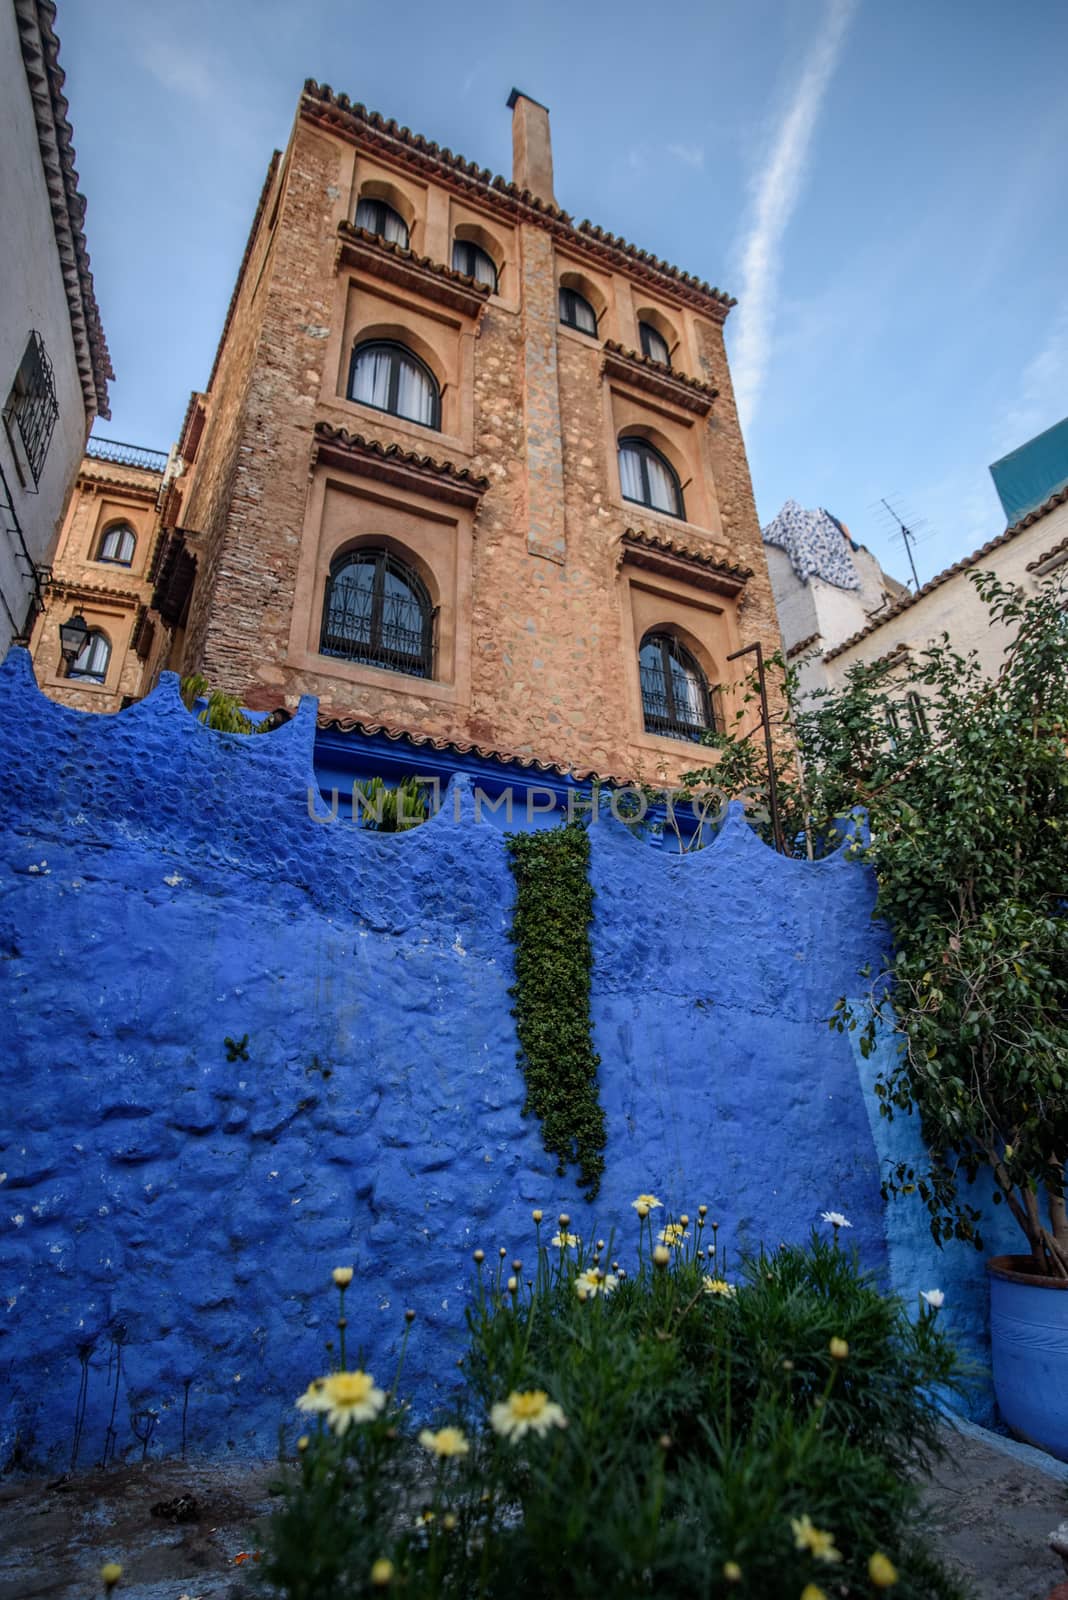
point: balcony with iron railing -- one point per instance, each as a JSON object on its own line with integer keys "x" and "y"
{"x": 127, "y": 455}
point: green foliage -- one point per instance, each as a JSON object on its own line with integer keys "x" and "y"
{"x": 222, "y": 712}
{"x": 969, "y": 844}
{"x": 550, "y": 930}
{"x": 391, "y": 810}
{"x": 698, "y": 1431}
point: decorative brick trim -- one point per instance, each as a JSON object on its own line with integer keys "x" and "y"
{"x": 675, "y": 560}
{"x": 656, "y": 379}
{"x": 389, "y": 463}
{"x": 45, "y": 76}
{"x": 369, "y": 252}
{"x": 337, "y": 114}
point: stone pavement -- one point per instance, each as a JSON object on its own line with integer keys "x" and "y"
{"x": 992, "y": 1505}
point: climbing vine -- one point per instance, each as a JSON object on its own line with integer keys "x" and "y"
{"x": 550, "y": 930}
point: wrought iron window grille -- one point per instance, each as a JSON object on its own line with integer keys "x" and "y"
{"x": 675, "y": 696}
{"x": 377, "y": 612}
{"x": 32, "y": 411}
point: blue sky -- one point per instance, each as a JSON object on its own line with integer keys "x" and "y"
{"x": 882, "y": 185}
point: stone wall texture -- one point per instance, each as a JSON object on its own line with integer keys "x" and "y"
{"x": 171, "y": 1206}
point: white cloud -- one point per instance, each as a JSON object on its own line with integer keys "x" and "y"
{"x": 691, "y": 155}
{"x": 1039, "y": 398}
{"x": 775, "y": 192}
{"x": 178, "y": 68}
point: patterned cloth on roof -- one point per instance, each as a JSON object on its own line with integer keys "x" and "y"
{"x": 816, "y": 545}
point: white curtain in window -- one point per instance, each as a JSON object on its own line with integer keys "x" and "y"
{"x": 395, "y": 229}
{"x": 662, "y": 492}
{"x": 630, "y": 473}
{"x": 92, "y": 659}
{"x": 370, "y": 381}
{"x": 415, "y": 397}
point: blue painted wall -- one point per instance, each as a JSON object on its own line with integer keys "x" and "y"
{"x": 169, "y": 1217}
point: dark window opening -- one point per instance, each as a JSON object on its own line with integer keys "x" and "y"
{"x": 377, "y": 611}
{"x": 390, "y": 378}
{"x": 647, "y": 479}
{"x": 32, "y": 410}
{"x": 675, "y": 696}
{"x": 654, "y": 345}
{"x": 474, "y": 262}
{"x": 917, "y": 714}
{"x": 576, "y": 312}
{"x": 378, "y": 217}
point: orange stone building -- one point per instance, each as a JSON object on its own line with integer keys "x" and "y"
{"x": 463, "y": 467}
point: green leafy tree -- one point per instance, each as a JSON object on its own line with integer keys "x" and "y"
{"x": 968, "y": 809}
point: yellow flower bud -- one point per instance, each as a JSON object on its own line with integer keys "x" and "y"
{"x": 303, "y": 1442}
{"x": 642, "y": 1209}
{"x": 564, "y": 1219}
{"x": 839, "y": 1349}
{"x": 812, "y": 1591}
{"x": 702, "y": 1211}
{"x": 684, "y": 1219}
{"x": 382, "y": 1573}
{"x": 480, "y": 1256}
{"x": 881, "y": 1571}
{"x": 661, "y": 1256}
{"x": 732, "y": 1572}
{"x": 537, "y": 1215}
{"x": 448, "y": 1521}
{"x": 513, "y": 1285}
{"x": 342, "y": 1276}
{"x": 110, "y": 1573}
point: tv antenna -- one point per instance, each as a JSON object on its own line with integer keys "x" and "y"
{"x": 909, "y": 537}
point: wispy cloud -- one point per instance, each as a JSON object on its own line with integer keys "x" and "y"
{"x": 775, "y": 193}
{"x": 691, "y": 155}
{"x": 178, "y": 68}
{"x": 1038, "y": 400}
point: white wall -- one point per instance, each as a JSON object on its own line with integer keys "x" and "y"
{"x": 32, "y": 295}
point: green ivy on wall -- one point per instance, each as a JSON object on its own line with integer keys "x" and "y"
{"x": 550, "y": 930}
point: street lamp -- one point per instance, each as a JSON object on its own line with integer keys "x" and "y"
{"x": 72, "y": 636}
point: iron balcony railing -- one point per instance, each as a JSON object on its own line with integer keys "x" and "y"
{"x": 678, "y": 711}
{"x": 379, "y": 630}
{"x": 126, "y": 455}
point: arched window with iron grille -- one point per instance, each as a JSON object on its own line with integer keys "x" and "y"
{"x": 648, "y": 478}
{"x": 390, "y": 378}
{"x": 675, "y": 696}
{"x": 377, "y": 611}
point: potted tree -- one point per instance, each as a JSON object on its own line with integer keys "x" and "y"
{"x": 967, "y": 797}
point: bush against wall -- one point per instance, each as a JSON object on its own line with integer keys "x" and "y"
{"x": 550, "y": 930}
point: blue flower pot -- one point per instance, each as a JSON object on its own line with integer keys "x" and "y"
{"x": 1029, "y": 1340}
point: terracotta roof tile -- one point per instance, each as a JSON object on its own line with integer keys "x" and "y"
{"x": 472, "y": 484}
{"x": 657, "y": 378}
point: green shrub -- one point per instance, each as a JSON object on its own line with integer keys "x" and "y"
{"x": 668, "y": 1432}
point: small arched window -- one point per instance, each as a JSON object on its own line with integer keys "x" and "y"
{"x": 647, "y": 479}
{"x": 377, "y": 611}
{"x": 377, "y": 216}
{"x": 576, "y": 311}
{"x": 654, "y": 345}
{"x": 475, "y": 262}
{"x": 675, "y": 697}
{"x": 391, "y": 378}
{"x": 118, "y": 545}
{"x": 91, "y": 662}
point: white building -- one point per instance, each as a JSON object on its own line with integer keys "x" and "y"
{"x": 54, "y": 362}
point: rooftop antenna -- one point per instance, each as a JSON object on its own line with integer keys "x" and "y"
{"x": 909, "y": 538}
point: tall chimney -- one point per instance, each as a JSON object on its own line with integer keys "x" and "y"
{"x": 532, "y": 150}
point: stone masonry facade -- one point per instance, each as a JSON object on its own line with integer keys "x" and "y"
{"x": 544, "y": 578}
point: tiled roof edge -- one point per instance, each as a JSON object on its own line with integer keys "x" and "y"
{"x": 462, "y": 748}
{"x": 325, "y": 96}
{"x": 394, "y": 452}
{"x": 656, "y": 541}
{"x": 35, "y": 20}
{"x": 940, "y": 578}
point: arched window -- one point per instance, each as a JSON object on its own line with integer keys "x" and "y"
{"x": 576, "y": 311}
{"x": 91, "y": 662}
{"x": 377, "y": 611}
{"x": 379, "y": 217}
{"x": 475, "y": 262}
{"x": 390, "y": 378}
{"x": 118, "y": 545}
{"x": 646, "y": 478}
{"x": 654, "y": 345}
{"x": 675, "y": 697}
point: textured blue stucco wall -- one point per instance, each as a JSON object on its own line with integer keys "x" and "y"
{"x": 168, "y": 1217}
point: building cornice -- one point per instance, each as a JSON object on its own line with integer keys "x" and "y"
{"x": 673, "y": 559}
{"x": 369, "y": 252}
{"x": 44, "y": 77}
{"x": 1055, "y": 500}
{"x": 404, "y": 469}
{"x": 339, "y": 115}
{"x": 654, "y": 378}
{"x": 71, "y": 589}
